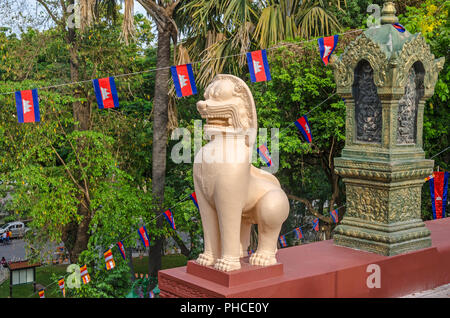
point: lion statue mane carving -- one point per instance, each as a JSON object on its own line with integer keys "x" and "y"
{"x": 232, "y": 194}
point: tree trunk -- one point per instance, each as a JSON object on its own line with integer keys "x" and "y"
{"x": 184, "y": 250}
{"x": 77, "y": 237}
{"x": 82, "y": 236}
{"x": 160, "y": 118}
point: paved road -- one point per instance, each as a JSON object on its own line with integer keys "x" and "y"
{"x": 438, "y": 292}
{"x": 15, "y": 250}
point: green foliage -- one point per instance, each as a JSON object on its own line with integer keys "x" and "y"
{"x": 431, "y": 19}
{"x": 299, "y": 83}
{"x": 114, "y": 283}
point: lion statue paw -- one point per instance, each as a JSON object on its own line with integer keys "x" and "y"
{"x": 262, "y": 259}
{"x": 206, "y": 259}
{"x": 228, "y": 264}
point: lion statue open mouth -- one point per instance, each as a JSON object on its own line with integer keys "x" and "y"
{"x": 232, "y": 194}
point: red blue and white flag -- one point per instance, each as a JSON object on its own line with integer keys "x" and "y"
{"x": 303, "y": 125}
{"x": 151, "y": 294}
{"x": 106, "y": 92}
{"x": 183, "y": 79}
{"x": 169, "y": 217}
{"x": 298, "y": 233}
{"x": 335, "y": 216}
{"x": 41, "y": 293}
{"x": 193, "y": 197}
{"x": 109, "y": 260}
{"x": 400, "y": 28}
{"x": 121, "y": 249}
{"x": 265, "y": 154}
{"x": 84, "y": 274}
{"x": 327, "y": 46}
{"x": 439, "y": 191}
{"x": 27, "y": 105}
{"x": 144, "y": 236}
{"x": 258, "y": 66}
{"x": 316, "y": 224}
{"x": 282, "y": 240}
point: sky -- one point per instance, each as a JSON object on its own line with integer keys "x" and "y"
{"x": 22, "y": 13}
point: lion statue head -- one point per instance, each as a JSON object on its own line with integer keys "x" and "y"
{"x": 228, "y": 107}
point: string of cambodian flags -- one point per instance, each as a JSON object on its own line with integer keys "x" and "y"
{"x": 27, "y": 107}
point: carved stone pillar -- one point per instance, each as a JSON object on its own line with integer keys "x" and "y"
{"x": 385, "y": 77}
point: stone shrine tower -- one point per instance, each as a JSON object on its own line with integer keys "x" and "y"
{"x": 385, "y": 77}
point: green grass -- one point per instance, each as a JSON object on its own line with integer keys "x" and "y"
{"x": 168, "y": 261}
{"x": 44, "y": 276}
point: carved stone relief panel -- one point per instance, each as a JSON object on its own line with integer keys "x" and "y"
{"x": 368, "y": 111}
{"x": 370, "y": 204}
{"x": 405, "y": 204}
{"x": 408, "y": 107}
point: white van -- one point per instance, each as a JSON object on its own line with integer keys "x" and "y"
{"x": 17, "y": 229}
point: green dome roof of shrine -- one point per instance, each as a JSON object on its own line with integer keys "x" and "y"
{"x": 389, "y": 38}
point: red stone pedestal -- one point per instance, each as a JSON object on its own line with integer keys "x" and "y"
{"x": 320, "y": 270}
{"x": 247, "y": 274}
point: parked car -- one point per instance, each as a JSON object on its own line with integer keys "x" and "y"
{"x": 18, "y": 229}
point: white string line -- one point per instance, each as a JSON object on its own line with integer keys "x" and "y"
{"x": 168, "y": 67}
{"x": 292, "y": 123}
{"x": 440, "y": 152}
{"x": 300, "y": 226}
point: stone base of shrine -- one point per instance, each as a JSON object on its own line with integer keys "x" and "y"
{"x": 320, "y": 270}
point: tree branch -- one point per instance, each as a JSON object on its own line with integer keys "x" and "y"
{"x": 311, "y": 209}
{"x": 54, "y": 18}
{"x": 68, "y": 171}
{"x": 184, "y": 250}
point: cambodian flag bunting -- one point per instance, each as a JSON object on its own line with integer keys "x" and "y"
{"x": 335, "y": 216}
{"x": 282, "y": 240}
{"x": 169, "y": 217}
{"x": 265, "y": 154}
{"x": 327, "y": 46}
{"x": 109, "y": 260}
{"x": 106, "y": 92}
{"x": 439, "y": 190}
{"x": 316, "y": 224}
{"x": 121, "y": 249}
{"x": 303, "y": 125}
{"x": 400, "y": 28}
{"x": 27, "y": 105}
{"x": 144, "y": 236}
{"x": 84, "y": 274}
{"x": 298, "y": 233}
{"x": 194, "y": 199}
{"x": 151, "y": 294}
{"x": 61, "y": 286}
{"x": 258, "y": 66}
{"x": 184, "y": 81}
{"x": 41, "y": 293}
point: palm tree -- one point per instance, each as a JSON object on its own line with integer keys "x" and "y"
{"x": 232, "y": 27}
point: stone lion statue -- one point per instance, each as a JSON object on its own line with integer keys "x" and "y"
{"x": 232, "y": 194}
